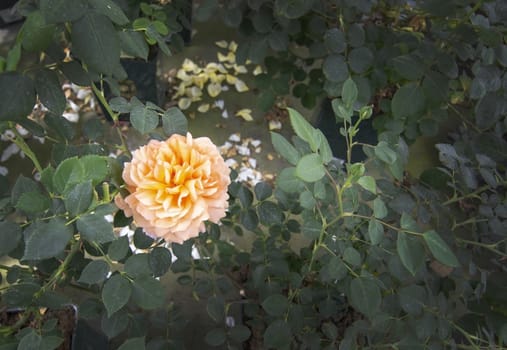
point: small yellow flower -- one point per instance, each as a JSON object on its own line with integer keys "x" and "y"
{"x": 245, "y": 113}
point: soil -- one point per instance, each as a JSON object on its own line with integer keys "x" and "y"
{"x": 66, "y": 321}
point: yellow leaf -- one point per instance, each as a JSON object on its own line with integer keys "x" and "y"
{"x": 182, "y": 75}
{"x": 222, "y": 44}
{"x": 258, "y": 70}
{"x": 231, "y": 79}
{"x": 240, "y": 69}
{"x": 233, "y": 46}
{"x": 180, "y": 91}
{"x": 203, "y": 108}
{"x": 245, "y": 113}
{"x": 214, "y": 89}
{"x": 231, "y": 58}
{"x": 240, "y": 85}
{"x": 216, "y": 78}
{"x": 184, "y": 103}
{"x": 194, "y": 93}
{"x": 189, "y": 66}
{"x": 199, "y": 80}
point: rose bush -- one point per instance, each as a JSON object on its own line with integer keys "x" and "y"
{"x": 174, "y": 186}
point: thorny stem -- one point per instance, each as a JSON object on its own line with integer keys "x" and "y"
{"x": 490, "y": 247}
{"x": 100, "y": 95}
{"x": 475, "y": 193}
{"x": 54, "y": 279}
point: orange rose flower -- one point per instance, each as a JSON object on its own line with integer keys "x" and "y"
{"x": 175, "y": 185}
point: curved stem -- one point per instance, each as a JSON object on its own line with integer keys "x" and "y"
{"x": 20, "y": 142}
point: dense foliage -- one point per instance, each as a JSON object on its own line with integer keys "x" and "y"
{"x": 336, "y": 254}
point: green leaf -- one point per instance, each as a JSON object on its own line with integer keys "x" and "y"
{"x": 385, "y": 153}
{"x": 216, "y": 308}
{"x": 116, "y": 293}
{"x": 412, "y": 299}
{"x": 408, "y": 67}
{"x": 118, "y": 248}
{"x": 30, "y": 341}
{"x": 440, "y": 249}
{"x": 215, "y": 337}
{"x": 33, "y": 202}
{"x": 278, "y": 335}
{"x": 67, "y": 174}
{"x": 356, "y": 35}
{"x": 59, "y": 11}
{"x": 17, "y": 98}
{"x": 411, "y": 252}
{"x": 375, "y": 231}
{"x": 37, "y": 35}
{"x": 269, "y": 213}
{"x": 288, "y": 182}
{"x": 111, "y": 10}
{"x": 352, "y": 256}
{"x": 349, "y": 92}
{"x": 335, "y": 69}
{"x": 95, "y": 272}
{"x": 134, "y": 44}
{"x": 334, "y": 39}
{"x": 95, "y": 228}
{"x": 240, "y": 333}
{"x": 95, "y": 41}
{"x": 379, "y": 208}
{"x": 148, "y": 293}
{"x": 137, "y": 265}
{"x": 333, "y": 270}
{"x": 312, "y": 226}
{"x": 143, "y": 119}
{"x": 114, "y": 325}
{"x": 285, "y": 148}
{"x": 95, "y": 168}
{"x": 408, "y": 101}
{"x": 307, "y": 200}
{"x": 133, "y": 344}
{"x": 325, "y": 151}
{"x": 310, "y": 168}
{"x": 360, "y": 59}
{"x": 275, "y": 305}
{"x": 174, "y": 122}
{"x": 79, "y": 198}
{"x": 46, "y": 240}
{"x": 263, "y": 190}
{"x": 205, "y": 10}
{"x": 365, "y": 296}
{"x": 303, "y": 129}
{"x": 10, "y": 234}
{"x": 73, "y": 171}
{"x": 249, "y": 219}
{"x": 159, "y": 259}
{"x": 50, "y": 91}
{"x": 368, "y": 183}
